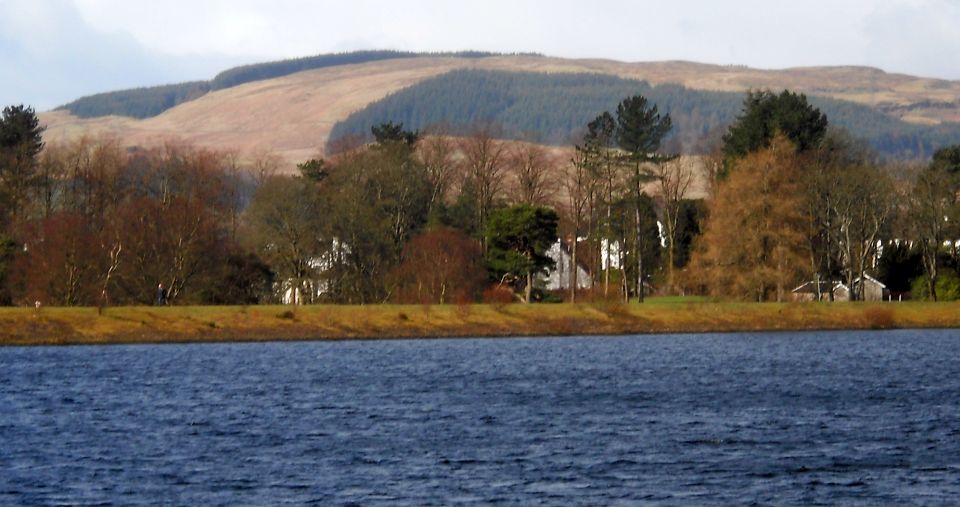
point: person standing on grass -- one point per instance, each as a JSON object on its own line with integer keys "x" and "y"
{"x": 161, "y": 295}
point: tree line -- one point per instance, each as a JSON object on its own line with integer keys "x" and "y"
{"x": 430, "y": 217}
{"x": 796, "y": 200}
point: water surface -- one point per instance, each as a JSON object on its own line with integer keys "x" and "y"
{"x": 791, "y": 418}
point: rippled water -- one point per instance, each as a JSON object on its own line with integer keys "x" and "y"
{"x": 794, "y": 418}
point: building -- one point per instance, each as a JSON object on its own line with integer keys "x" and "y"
{"x": 873, "y": 290}
{"x": 810, "y": 292}
{"x": 559, "y": 277}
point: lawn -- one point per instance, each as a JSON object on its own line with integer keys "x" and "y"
{"x": 29, "y": 326}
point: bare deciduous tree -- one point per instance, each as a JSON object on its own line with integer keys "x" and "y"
{"x": 484, "y": 165}
{"x": 863, "y": 207}
{"x": 436, "y": 152}
{"x": 578, "y": 181}
{"x": 932, "y": 208}
{"x": 532, "y": 168}
{"x": 264, "y": 163}
{"x": 673, "y": 179}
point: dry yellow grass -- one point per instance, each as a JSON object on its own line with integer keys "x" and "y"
{"x": 48, "y": 326}
{"x": 293, "y": 115}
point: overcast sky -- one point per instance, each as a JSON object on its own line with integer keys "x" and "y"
{"x": 52, "y": 51}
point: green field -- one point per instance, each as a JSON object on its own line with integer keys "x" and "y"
{"x": 50, "y": 326}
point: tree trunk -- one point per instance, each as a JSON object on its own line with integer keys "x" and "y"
{"x": 830, "y": 295}
{"x": 573, "y": 266}
{"x": 670, "y": 260}
{"x": 622, "y": 258}
{"x": 640, "y": 246}
{"x": 640, "y": 242}
{"x": 528, "y": 290}
{"x": 609, "y": 257}
{"x": 932, "y": 274}
{"x": 780, "y": 290}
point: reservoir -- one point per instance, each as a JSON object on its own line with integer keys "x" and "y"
{"x": 773, "y": 418}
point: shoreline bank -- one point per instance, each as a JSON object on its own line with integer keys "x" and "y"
{"x": 185, "y": 324}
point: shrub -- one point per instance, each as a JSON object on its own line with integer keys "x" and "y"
{"x": 879, "y": 318}
{"x": 948, "y": 286}
{"x": 498, "y": 296}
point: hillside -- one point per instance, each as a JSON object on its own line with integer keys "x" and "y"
{"x": 293, "y": 114}
{"x": 553, "y": 109}
{"x": 151, "y": 101}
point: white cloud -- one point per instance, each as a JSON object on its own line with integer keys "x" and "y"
{"x": 141, "y": 42}
{"x": 52, "y": 56}
{"x": 919, "y": 37}
{"x": 754, "y": 32}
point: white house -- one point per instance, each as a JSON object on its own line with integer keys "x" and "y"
{"x": 559, "y": 277}
{"x": 311, "y": 289}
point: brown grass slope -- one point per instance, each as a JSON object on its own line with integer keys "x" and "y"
{"x": 293, "y": 115}
{"x": 51, "y": 326}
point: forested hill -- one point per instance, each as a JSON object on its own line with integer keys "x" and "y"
{"x": 553, "y": 108}
{"x": 150, "y": 101}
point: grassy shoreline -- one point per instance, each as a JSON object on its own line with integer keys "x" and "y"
{"x": 181, "y": 324}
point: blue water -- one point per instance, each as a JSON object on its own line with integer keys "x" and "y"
{"x": 793, "y": 418}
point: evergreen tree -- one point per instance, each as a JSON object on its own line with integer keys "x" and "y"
{"x": 517, "y": 241}
{"x": 20, "y": 144}
{"x": 764, "y": 115}
{"x": 314, "y": 170}
{"x": 947, "y": 159}
{"x": 393, "y": 132}
{"x": 688, "y": 228}
{"x": 601, "y": 159}
{"x": 640, "y": 130}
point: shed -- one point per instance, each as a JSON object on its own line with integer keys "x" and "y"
{"x": 809, "y": 292}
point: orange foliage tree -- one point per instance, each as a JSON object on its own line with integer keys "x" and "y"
{"x": 753, "y": 246}
{"x": 58, "y": 264}
{"x": 442, "y": 265}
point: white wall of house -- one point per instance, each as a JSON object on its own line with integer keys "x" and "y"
{"x": 609, "y": 254}
{"x": 559, "y": 277}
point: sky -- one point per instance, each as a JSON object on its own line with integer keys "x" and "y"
{"x": 53, "y": 51}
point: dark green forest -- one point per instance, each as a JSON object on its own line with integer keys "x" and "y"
{"x": 552, "y": 109}
{"x": 138, "y": 102}
{"x": 151, "y": 101}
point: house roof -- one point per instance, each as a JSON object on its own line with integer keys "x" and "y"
{"x": 872, "y": 280}
{"x": 811, "y": 287}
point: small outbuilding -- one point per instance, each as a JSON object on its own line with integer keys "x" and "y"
{"x": 873, "y": 290}
{"x": 811, "y": 292}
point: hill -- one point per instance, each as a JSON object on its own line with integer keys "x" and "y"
{"x": 151, "y": 101}
{"x": 553, "y": 109}
{"x": 293, "y": 114}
